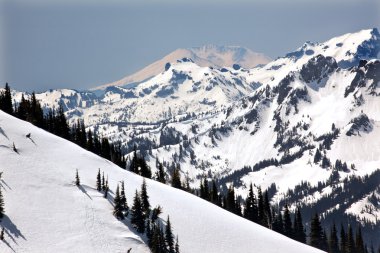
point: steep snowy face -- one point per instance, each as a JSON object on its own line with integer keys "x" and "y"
{"x": 205, "y": 56}
{"x": 46, "y": 212}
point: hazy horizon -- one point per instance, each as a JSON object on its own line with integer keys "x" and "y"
{"x": 68, "y": 45}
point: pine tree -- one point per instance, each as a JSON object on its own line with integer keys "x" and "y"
{"x": 137, "y": 214}
{"x": 176, "y": 247}
{"x": 98, "y": 181}
{"x": 288, "y": 231}
{"x": 317, "y": 156}
{"x": 145, "y": 199}
{"x": 77, "y": 180}
{"x": 103, "y": 184}
{"x": 169, "y": 238}
{"x": 278, "y": 224}
{"x": 176, "y": 178}
{"x": 316, "y": 233}
{"x": 260, "y": 207}
{"x": 160, "y": 174}
{"x": 359, "y": 241}
{"x": 118, "y": 209}
{"x": 299, "y": 231}
{"x": 1, "y": 204}
{"x": 214, "y": 194}
{"x": 250, "y": 211}
{"x": 267, "y": 210}
{"x": 106, "y": 189}
{"x": 2, "y": 234}
{"x": 123, "y": 198}
{"x": 230, "y": 199}
{"x": 343, "y": 240}
{"x": 333, "y": 240}
{"x": 350, "y": 244}
{"x": 6, "y": 100}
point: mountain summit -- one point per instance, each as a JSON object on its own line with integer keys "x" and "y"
{"x": 205, "y": 56}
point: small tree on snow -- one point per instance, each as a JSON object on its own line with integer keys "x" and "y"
{"x": 1, "y": 204}
{"x": 98, "y": 181}
{"x": 2, "y": 234}
{"x": 77, "y": 180}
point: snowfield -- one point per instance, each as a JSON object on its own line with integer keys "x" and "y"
{"x": 46, "y": 212}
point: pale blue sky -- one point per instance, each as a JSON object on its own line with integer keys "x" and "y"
{"x": 66, "y": 44}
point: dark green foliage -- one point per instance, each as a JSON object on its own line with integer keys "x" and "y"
{"x": 2, "y": 234}
{"x": 77, "y": 180}
{"x": 176, "y": 247}
{"x": 139, "y": 166}
{"x": 118, "y": 208}
{"x": 333, "y": 240}
{"x": 230, "y": 204}
{"x": 278, "y": 223}
{"x": 299, "y": 230}
{"x": 145, "y": 199}
{"x": 98, "y": 182}
{"x": 317, "y": 156}
{"x": 359, "y": 241}
{"x": 288, "y": 227}
{"x": 138, "y": 218}
{"x": 250, "y": 211}
{"x": 214, "y": 194}
{"x": 169, "y": 238}
{"x": 350, "y": 243}
{"x": 176, "y": 178}
{"x": 106, "y": 189}
{"x": 343, "y": 240}
{"x": 123, "y": 198}
{"x": 6, "y": 100}
{"x": 160, "y": 174}
{"x": 1, "y": 204}
{"x": 316, "y": 233}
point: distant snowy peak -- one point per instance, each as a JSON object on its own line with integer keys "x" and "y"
{"x": 205, "y": 56}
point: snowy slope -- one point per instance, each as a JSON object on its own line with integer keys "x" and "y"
{"x": 46, "y": 212}
{"x": 205, "y": 56}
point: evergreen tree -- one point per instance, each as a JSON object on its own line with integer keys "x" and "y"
{"x": 278, "y": 224}
{"x": 176, "y": 178}
{"x": 2, "y": 211}
{"x": 316, "y": 233}
{"x": 317, "y": 156}
{"x": 103, "y": 184}
{"x": 2, "y": 234}
{"x": 77, "y": 180}
{"x": 169, "y": 238}
{"x": 288, "y": 231}
{"x": 260, "y": 207}
{"x": 299, "y": 230}
{"x": 176, "y": 247}
{"x": 133, "y": 165}
{"x": 333, "y": 240}
{"x": 118, "y": 208}
{"x": 90, "y": 141}
{"x": 6, "y": 100}
{"x": 250, "y": 211}
{"x": 267, "y": 210}
{"x": 343, "y": 240}
{"x": 98, "y": 181}
{"x": 106, "y": 189}
{"x": 123, "y": 198}
{"x": 160, "y": 174}
{"x": 214, "y": 194}
{"x": 230, "y": 199}
{"x": 359, "y": 241}
{"x": 350, "y": 244}
{"x": 145, "y": 199}
{"x": 138, "y": 219}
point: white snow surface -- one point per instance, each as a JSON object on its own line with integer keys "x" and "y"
{"x": 46, "y": 212}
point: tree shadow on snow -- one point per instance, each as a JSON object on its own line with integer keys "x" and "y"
{"x": 3, "y": 133}
{"x": 2, "y": 183}
{"x": 11, "y": 231}
{"x": 32, "y": 140}
{"x": 84, "y": 191}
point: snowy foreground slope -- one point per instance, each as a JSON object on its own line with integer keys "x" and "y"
{"x": 46, "y": 212}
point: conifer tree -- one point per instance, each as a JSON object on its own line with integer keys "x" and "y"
{"x": 316, "y": 233}
{"x": 214, "y": 194}
{"x": 230, "y": 199}
{"x": 145, "y": 199}
{"x": 343, "y": 240}
{"x": 299, "y": 231}
{"x": 176, "y": 247}
{"x": 123, "y": 198}
{"x": 160, "y": 174}
{"x": 98, "y": 181}
{"x": 288, "y": 231}
{"x": 169, "y": 238}
{"x": 2, "y": 211}
{"x": 106, "y": 189}
{"x": 267, "y": 210}
{"x": 250, "y": 211}
{"x": 260, "y": 207}
{"x": 118, "y": 209}
{"x": 6, "y": 100}
{"x": 176, "y": 178}
{"x": 278, "y": 224}
{"x": 137, "y": 213}
{"x": 350, "y": 244}
{"x": 333, "y": 240}
{"x": 133, "y": 165}
{"x": 103, "y": 185}
{"x": 317, "y": 156}
{"x": 2, "y": 234}
{"x": 77, "y": 180}
{"x": 359, "y": 241}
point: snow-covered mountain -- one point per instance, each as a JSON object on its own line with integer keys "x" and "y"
{"x": 47, "y": 212}
{"x": 307, "y": 122}
{"x": 205, "y": 56}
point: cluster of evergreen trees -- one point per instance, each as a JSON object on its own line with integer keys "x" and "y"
{"x": 54, "y": 121}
